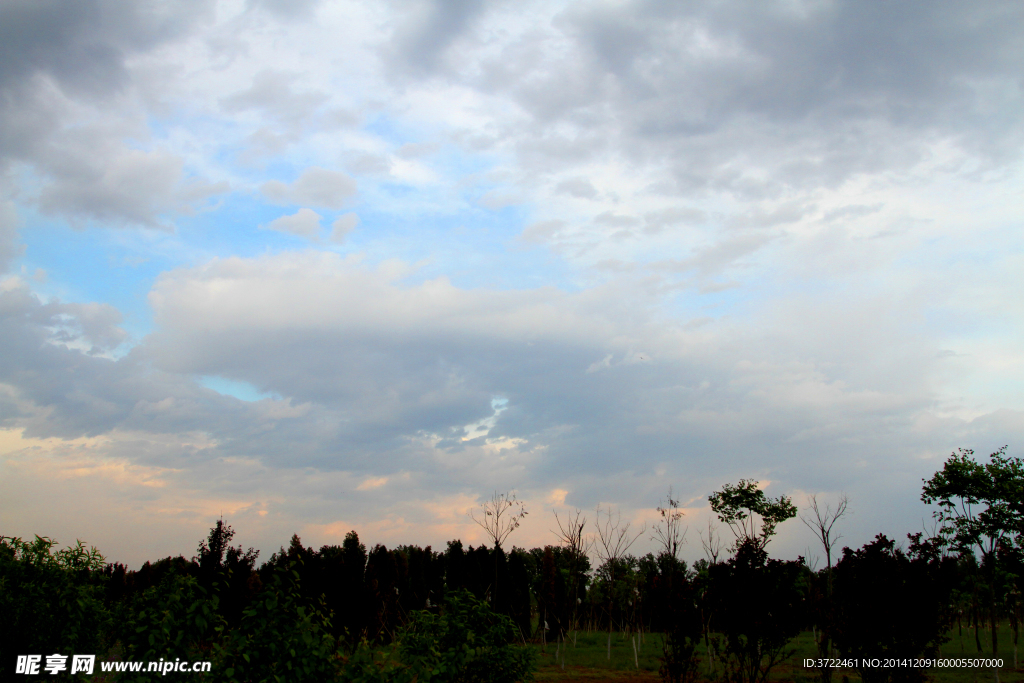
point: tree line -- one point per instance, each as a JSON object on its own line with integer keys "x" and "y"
{"x": 730, "y": 615}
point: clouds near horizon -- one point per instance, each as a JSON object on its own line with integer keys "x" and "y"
{"x": 337, "y": 258}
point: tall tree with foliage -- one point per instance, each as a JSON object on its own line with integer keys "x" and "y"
{"x": 231, "y": 568}
{"x": 981, "y": 509}
{"x": 760, "y": 608}
{"x": 751, "y": 514}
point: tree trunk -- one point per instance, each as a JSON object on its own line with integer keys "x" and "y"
{"x": 992, "y": 622}
{"x": 977, "y": 627}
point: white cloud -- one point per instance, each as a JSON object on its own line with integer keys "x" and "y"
{"x": 342, "y": 226}
{"x": 304, "y": 223}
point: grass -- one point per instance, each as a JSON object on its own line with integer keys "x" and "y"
{"x": 588, "y": 661}
{"x": 590, "y": 651}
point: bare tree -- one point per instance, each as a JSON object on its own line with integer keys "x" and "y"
{"x": 577, "y": 546}
{"x": 712, "y": 544}
{"x": 821, "y": 524}
{"x": 613, "y": 541}
{"x": 712, "y": 549}
{"x": 822, "y": 521}
{"x": 669, "y": 532}
{"x": 502, "y": 515}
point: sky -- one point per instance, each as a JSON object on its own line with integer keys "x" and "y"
{"x": 315, "y": 267}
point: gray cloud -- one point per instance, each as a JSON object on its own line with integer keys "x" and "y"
{"x": 316, "y": 187}
{"x": 287, "y": 9}
{"x": 758, "y": 101}
{"x": 717, "y": 131}
{"x": 342, "y": 226}
{"x": 429, "y": 359}
{"x": 577, "y": 187}
{"x": 273, "y": 92}
{"x": 371, "y": 164}
{"x": 83, "y": 46}
{"x": 427, "y": 29}
{"x": 656, "y": 221}
{"x": 9, "y": 247}
{"x": 131, "y": 186}
{"x": 380, "y": 378}
{"x": 57, "y": 58}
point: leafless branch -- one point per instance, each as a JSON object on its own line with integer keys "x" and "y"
{"x": 712, "y": 544}
{"x": 570, "y": 534}
{"x": 502, "y": 515}
{"x": 667, "y": 532}
{"x": 822, "y": 520}
{"x": 614, "y": 540}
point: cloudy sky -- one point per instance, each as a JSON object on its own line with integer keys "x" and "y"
{"x": 321, "y": 266}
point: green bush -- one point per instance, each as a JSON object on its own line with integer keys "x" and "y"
{"x": 281, "y": 638}
{"x": 466, "y": 642}
{"x": 50, "y": 602}
{"x": 175, "y": 619}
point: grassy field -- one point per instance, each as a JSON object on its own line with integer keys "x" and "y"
{"x": 587, "y": 660}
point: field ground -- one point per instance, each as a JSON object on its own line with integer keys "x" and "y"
{"x": 587, "y": 661}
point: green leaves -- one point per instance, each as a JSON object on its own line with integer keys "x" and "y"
{"x": 737, "y": 504}
{"x": 280, "y": 637}
{"x": 981, "y": 505}
{"x": 466, "y": 642}
{"x": 50, "y": 601}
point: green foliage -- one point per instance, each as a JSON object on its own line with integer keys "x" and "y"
{"x": 615, "y": 588}
{"x": 888, "y": 606}
{"x": 737, "y": 504}
{"x": 679, "y": 657}
{"x": 281, "y": 637}
{"x": 685, "y": 627}
{"x": 50, "y": 601}
{"x": 981, "y": 508}
{"x": 760, "y": 609}
{"x": 979, "y": 504}
{"x": 466, "y": 643}
{"x": 175, "y": 619}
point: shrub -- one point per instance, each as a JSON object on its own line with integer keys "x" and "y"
{"x": 281, "y": 637}
{"x": 177, "y": 618}
{"x": 466, "y": 643}
{"x": 51, "y": 602}
{"x": 887, "y": 605}
{"x": 760, "y": 608}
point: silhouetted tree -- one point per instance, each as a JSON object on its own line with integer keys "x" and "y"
{"x": 743, "y": 504}
{"x": 499, "y": 517}
{"x": 382, "y": 584}
{"x": 981, "y": 508}
{"x": 887, "y": 605}
{"x": 760, "y": 608}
